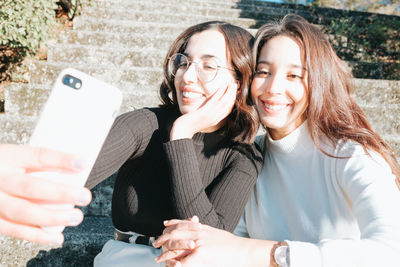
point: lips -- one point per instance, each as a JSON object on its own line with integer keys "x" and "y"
{"x": 273, "y": 106}
{"x": 190, "y": 94}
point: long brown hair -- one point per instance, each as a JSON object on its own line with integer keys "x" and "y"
{"x": 242, "y": 123}
{"x": 332, "y": 111}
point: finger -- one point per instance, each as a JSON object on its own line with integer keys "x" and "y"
{"x": 229, "y": 89}
{"x": 173, "y": 263}
{"x": 39, "y": 159}
{"x": 214, "y": 97}
{"x": 37, "y": 214}
{"x": 194, "y": 219}
{"x": 35, "y": 188}
{"x": 172, "y": 254}
{"x": 30, "y": 233}
{"x": 228, "y": 98}
{"x": 172, "y": 222}
{"x": 180, "y": 244}
{"x": 190, "y": 233}
{"x": 183, "y": 225}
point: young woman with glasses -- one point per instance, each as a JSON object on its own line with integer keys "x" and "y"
{"x": 194, "y": 155}
{"x": 327, "y": 194}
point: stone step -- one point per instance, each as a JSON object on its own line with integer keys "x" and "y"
{"x": 371, "y": 92}
{"x": 144, "y": 24}
{"x": 45, "y": 73}
{"x": 122, "y": 40}
{"x": 164, "y": 17}
{"x": 248, "y": 8}
{"x": 385, "y": 120}
{"x": 111, "y": 56}
{"x": 28, "y": 99}
{"x": 81, "y": 245}
{"x": 126, "y": 27}
{"x": 217, "y": 4}
{"x": 198, "y": 3}
{"x": 126, "y": 11}
{"x": 16, "y": 129}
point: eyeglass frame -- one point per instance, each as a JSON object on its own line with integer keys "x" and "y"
{"x": 197, "y": 67}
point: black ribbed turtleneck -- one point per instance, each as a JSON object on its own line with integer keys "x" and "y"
{"x": 209, "y": 175}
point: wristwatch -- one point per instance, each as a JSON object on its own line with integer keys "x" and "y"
{"x": 282, "y": 255}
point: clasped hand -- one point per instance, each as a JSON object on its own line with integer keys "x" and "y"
{"x": 190, "y": 243}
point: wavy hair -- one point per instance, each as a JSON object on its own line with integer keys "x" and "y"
{"x": 242, "y": 123}
{"x": 332, "y": 111}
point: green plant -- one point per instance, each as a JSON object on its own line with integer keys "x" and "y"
{"x": 365, "y": 37}
{"x": 25, "y": 25}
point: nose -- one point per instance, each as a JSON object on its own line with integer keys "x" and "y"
{"x": 275, "y": 84}
{"x": 190, "y": 75}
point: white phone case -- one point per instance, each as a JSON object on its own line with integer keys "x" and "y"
{"x": 76, "y": 119}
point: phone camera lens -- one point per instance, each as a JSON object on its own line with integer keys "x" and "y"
{"x": 66, "y": 80}
{"x": 72, "y": 82}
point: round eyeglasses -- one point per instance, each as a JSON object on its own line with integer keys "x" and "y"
{"x": 206, "y": 69}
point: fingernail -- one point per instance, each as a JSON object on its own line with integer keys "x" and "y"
{"x": 75, "y": 218}
{"x": 83, "y": 198}
{"x": 165, "y": 222}
{"x": 56, "y": 241}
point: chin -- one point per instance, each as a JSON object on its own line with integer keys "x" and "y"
{"x": 273, "y": 124}
{"x": 186, "y": 109}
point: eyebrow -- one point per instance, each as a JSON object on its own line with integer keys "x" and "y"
{"x": 290, "y": 65}
{"x": 203, "y": 56}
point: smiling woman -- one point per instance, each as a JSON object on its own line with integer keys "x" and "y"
{"x": 327, "y": 193}
{"x": 192, "y": 156}
{"x": 279, "y": 87}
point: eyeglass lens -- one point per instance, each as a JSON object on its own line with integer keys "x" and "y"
{"x": 206, "y": 68}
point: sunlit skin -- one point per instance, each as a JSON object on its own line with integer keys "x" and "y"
{"x": 279, "y": 88}
{"x": 191, "y": 92}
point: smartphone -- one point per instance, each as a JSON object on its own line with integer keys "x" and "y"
{"x": 76, "y": 119}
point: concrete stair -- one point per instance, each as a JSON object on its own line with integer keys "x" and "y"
{"x": 124, "y": 42}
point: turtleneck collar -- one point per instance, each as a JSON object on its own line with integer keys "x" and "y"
{"x": 297, "y": 142}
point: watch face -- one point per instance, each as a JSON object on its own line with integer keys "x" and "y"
{"x": 281, "y": 256}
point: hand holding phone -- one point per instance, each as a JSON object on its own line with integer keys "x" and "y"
{"x": 76, "y": 119}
